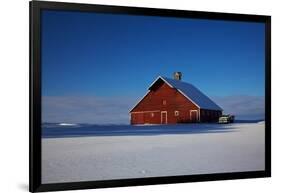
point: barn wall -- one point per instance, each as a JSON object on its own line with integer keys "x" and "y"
{"x": 145, "y": 118}
{"x": 153, "y": 101}
{"x": 210, "y": 115}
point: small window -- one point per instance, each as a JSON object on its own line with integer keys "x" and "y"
{"x": 152, "y": 114}
{"x": 164, "y": 102}
{"x": 177, "y": 113}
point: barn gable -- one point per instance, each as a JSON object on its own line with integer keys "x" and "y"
{"x": 187, "y": 90}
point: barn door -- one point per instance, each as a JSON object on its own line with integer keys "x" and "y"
{"x": 164, "y": 117}
{"x": 193, "y": 116}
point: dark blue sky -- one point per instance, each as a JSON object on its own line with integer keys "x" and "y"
{"x": 106, "y": 55}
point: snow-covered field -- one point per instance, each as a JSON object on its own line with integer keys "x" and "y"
{"x": 158, "y": 151}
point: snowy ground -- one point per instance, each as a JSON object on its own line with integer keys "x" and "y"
{"x": 153, "y": 151}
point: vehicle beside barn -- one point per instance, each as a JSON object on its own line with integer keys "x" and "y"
{"x": 226, "y": 119}
{"x": 170, "y": 101}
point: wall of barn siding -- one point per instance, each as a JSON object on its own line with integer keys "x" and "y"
{"x": 175, "y": 101}
{"x": 209, "y": 115}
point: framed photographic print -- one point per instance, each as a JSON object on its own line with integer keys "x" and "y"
{"x": 124, "y": 96}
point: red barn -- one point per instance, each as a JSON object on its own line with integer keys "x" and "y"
{"x": 170, "y": 101}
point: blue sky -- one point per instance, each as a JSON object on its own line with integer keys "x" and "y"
{"x": 106, "y": 56}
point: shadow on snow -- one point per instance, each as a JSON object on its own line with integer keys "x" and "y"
{"x": 129, "y": 130}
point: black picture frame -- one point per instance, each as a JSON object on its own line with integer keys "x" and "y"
{"x": 35, "y": 184}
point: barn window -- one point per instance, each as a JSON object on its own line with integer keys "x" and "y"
{"x": 152, "y": 114}
{"x": 164, "y": 102}
{"x": 177, "y": 113}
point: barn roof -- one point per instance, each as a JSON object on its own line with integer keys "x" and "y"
{"x": 187, "y": 90}
{"x": 190, "y": 92}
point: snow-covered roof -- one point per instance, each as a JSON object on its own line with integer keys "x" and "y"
{"x": 191, "y": 93}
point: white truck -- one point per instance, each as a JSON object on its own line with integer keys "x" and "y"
{"x": 226, "y": 119}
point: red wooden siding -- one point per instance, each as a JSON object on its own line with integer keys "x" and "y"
{"x": 163, "y": 98}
